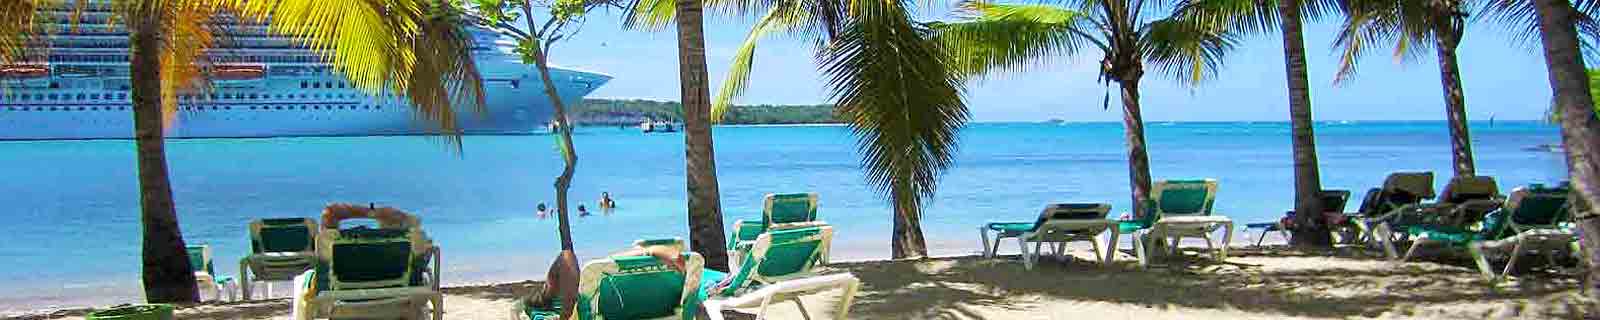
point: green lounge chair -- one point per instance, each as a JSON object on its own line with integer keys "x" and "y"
{"x": 205, "y": 275}
{"x": 1178, "y": 209}
{"x": 1530, "y": 222}
{"x": 280, "y": 249}
{"x": 371, "y": 273}
{"x": 1465, "y": 201}
{"x": 633, "y": 287}
{"x": 1401, "y": 192}
{"x": 1057, "y": 224}
{"x": 1332, "y": 201}
{"x": 781, "y": 265}
{"x": 776, "y": 208}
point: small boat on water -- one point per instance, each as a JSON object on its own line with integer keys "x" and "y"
{"x": 656, "y": 126}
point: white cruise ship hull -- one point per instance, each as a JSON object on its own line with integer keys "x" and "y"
{"x": 84, "y": 94}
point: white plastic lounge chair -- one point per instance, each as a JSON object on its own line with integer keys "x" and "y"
{"x": 780, "y": 266}
{"x": 1533, "y": 220}
{"x": 371, "y": 273}
{"x": 1057, "y": 225}
{"x": 1178, "y": 209}
{"x": 205, "y": 275}
{"x": 280, "y": 249}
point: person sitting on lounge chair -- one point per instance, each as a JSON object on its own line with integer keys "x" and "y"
{"x": 561, "y": 282}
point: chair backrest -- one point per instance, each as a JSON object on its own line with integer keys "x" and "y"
{"x": 282, "y": 235}
{"x": 1056, "y": 220}
{"x": 639, "y": 287}
{"x": 1461, "y": 189}
{"x": 788, "y": 208}
{"x": 786, "y": 251}
{"x": 1335, "y": 200}
{"x": 200, "y": 259}
{"x": 1183, "y": 197}
{"x": 1537, "y": 206}
{"x": 362, "y": 258}
{"x": 1408, "y": 187}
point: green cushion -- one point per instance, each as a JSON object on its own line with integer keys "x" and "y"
{"x": 792, "y": 251}
{"x": 644, "y": 288}
{"x": 291, "y": 238}
{"x": 1011, "y": 227}
{"x": 1129, "y": 226}
{"x": 1453, "y": 235}
{"x": 365, "y": 255}
{"x": 197, "y": 259}
{"x": 1185, "y": 197}
{"x": 790, "y": 208}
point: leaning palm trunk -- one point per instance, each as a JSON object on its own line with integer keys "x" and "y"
{"x": 705, "y": 207}
{"x": 1580, "y": 130}
{"x": 1138, "y": 157}
{"x": 1309, "y": 231}
{"x": 1454, "y": 102}
{"x": 167, "y": 277}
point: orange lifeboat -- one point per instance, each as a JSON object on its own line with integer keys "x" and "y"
{"x": 24, "y": 71}
{"x": 238, "y": 72}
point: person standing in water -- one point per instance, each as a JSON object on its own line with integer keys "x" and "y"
{"x": 543, "y": 211}
{"x": 605, "y": 201}
{"x": 582, "y": 212}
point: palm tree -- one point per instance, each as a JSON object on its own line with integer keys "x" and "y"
{"x": 1557, "y": 22}
{"x": 700, "y": 161}
{"x": 887, "y": 79}
{"x": 1260, "y": 16}
{"x": 414, "y": 47}
{"x": 1412, "y": 25}
{"x": 1009, "y": 37}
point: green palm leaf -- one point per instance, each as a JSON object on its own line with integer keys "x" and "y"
{"x": 1185, "y": 51}
{"x": 1012, "y": 37}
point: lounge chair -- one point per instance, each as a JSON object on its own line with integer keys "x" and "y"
{"x": 1057, "y": 224}
{"x": 280, "y": 249}
{"x": 1401, "y": 192}
{"x": 1178, "y": 209}
{"x": 780, "y": 265}
{"x": 1530, "y": 222}
{"x": 776, "y": 208}
{"x": 205, "y": 275}
{"x": 1333, "y": 201}
{"x": 1465, "y": 201}
{"x": 371, "y": 273}
{"x": 632, "y": 287}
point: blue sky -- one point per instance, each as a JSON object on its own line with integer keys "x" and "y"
{"x": 1502, "y": 79}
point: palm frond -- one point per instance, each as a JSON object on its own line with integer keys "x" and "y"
{"x": 1011, "y": 37}
{"x": 778, "y": 19}
{"x": 1413, "y": 27}
{"x": 415, "y": 47}
{"x": 187, "y": 36}
{"x": 1519, "y": 20}
{"x": 1187, "y": 52}
{"x": 889, "y": 82}
{"x": 17, "y": 22}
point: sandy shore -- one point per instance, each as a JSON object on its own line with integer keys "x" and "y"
{"x": 1251, "y": 284}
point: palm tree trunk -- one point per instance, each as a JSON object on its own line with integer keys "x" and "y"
{"x": 1309, "y": 230}
{"x": 569, "y": 154}
{"x": 1138, "y": 158}
{"x": 167, "y": 276}
{"x": 705, "y": 206}
{"x": 908, "y": 242}
{"x": 1455, "y": 107}
{"x": 1580, "y": 130}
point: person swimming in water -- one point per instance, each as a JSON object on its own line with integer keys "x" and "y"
{"x": 606, "y": 202}
{"x": 582, "y": 212}
{"x": 543, "y": 211}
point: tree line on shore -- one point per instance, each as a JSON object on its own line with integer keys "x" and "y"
{"x": 631, "y": 111}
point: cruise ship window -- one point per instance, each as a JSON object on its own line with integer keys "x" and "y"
{"x": 302, "y": 84}
{"x": 254, "y": 96}
{"x": 328, "y": 85}
{"x": 94, "y": 96}
{"x": 38, "y": 96}
{"x": 25, "y": 97}
{"x": 252, "y": 107}
{"x": 80, "y": 108}
{"x": 53, "y": 96}
{"x": 94, "y": 108}
{"x": 302, "y": 96}
{"x": 227, "y": 108}
{"x": 316, "y": 85}
{"x": 278, "y": 108}
{"x": 227, "y": 96}
{"x": 302, "y": 107}
{"x": 81, "y": 96}
{"x": 122, "y": 96}
{"x": 341, "y": 85}
{"x": 213, "y": 96}
{"x": 55, "y": 85}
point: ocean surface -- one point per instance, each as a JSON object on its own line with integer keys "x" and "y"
{"x": 72, "y": 237}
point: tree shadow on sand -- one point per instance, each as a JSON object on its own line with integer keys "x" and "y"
{"x": 946, "y": 288}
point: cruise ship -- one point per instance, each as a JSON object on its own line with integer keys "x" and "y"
{"x": 76, "y": 86}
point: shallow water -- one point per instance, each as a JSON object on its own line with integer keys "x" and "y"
{"x": 74, "y": 239}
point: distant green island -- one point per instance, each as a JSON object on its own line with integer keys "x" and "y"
{"x": 633, "y": 111}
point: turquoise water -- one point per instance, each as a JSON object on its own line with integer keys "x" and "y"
{"x": 73, "y": 236}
